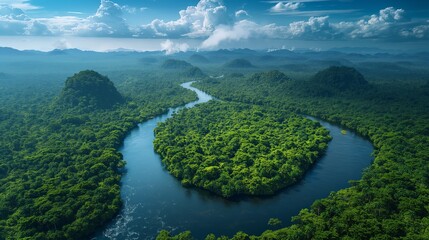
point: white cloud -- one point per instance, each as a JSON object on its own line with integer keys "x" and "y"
{"x": 62, "y": 25}
{"x": 11, "y": 13}
{"x": 316, "y": 12}
{"x": 169, "y": 47}
{"x": 285, "y": 6}
{"x": 241, "y": 13}
{"x": 194, "y": 21}
{"x": 419, "y": 32}
{"x": 388, "y": 23}
{"x": 77, "y": 13}
{"x": 14, "y": 21}
{"x": 239, "y": 31}
{"x": 210, "y": 20}
{"x": 107, "y": 21}
{"x": 62, "y": 44}
{"x": 21, "y": 4}
{"x": 316, "y": 28}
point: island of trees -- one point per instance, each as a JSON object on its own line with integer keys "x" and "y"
{"x": 392, "y": 198}
{"x": 233, "y": 149}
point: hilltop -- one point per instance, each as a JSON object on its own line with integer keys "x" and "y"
{"x": 182, "y": 68}
{"x": 171, "y": 64}
{"x": 238, "y": 63}
{"x": 270, "y": 76}
{"x": 89, "y": 88}
{"x": 197, "y": 58}
{"x": 340, "y": 78}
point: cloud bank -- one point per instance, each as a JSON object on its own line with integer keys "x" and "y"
{"x": 213, "y": 22}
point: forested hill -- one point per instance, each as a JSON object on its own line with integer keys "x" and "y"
{"x": 238, "y": 63}
{"x": 341, "y": 78}
{"x": 60, "y": 169}
{"x": 89, "y": 89}
{"x": 182, "y": 69}
{"x": 174, "y": 64}
{"x": 273, "y": 76}
{"x": 392, "y": 198}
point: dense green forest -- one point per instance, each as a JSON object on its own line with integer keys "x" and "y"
{"x": 89, "y": 89}
{"x": 232, "y": 149}
{"x": 392, "y": 198}
{"x": 59, "y": 165}
{"x": 60, "y": 168}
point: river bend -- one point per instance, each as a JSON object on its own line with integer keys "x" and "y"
{"x": 155, "y": 200}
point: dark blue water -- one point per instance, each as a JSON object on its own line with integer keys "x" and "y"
{"x": 154, "y": 200}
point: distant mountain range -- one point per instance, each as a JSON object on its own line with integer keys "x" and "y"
{"x": 369, "y": 61}
{"x": 201, "y": 55}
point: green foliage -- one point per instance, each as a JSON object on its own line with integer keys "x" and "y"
{"x": 232, "y": 149}
{"x": 274, "y": 76}
{"x": 194, "y": 72}
{"x": 274, "y": 222}
{"x": 165, "y": 235}
{"x": 392, "y": 198}
{"x": 59, "y": 168}
{"x": 89, "y": 89}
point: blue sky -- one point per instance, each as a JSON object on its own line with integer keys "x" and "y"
{"x": 211, "y": 24}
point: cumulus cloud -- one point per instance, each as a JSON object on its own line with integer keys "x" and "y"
{"x": 14, "y": 21}
{"x": 107, "y": 21}
{"x": 239, "y": 31}
{"x": 389, "y": 23}
{"x": 285, "y": 6}
{"x": 316, "y": 28}
{"x": 169, "y": 47}
{"x": 419, "y": 32}
{"x": 194, "y": 21}
{"x": 383, "y": 24}
{"x": 210, "y": 20}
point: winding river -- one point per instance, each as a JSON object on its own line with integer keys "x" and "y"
{"x": 154, "y": 200}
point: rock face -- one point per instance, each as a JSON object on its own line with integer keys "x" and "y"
{"x": 340, "y": 78}
{"x": 239, "y": 63}
{"x": 172, "y": 64}
{"x": 89, "y": 89}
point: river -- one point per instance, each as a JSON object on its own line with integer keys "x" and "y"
{"x": 154, "y": 200}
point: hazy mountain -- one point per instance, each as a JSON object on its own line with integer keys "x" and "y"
{"x": 341, "y": 78}
{"x": 171, "y": 64}
{"x": 197, "y": 58}
{"x": 239, "y": 63}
